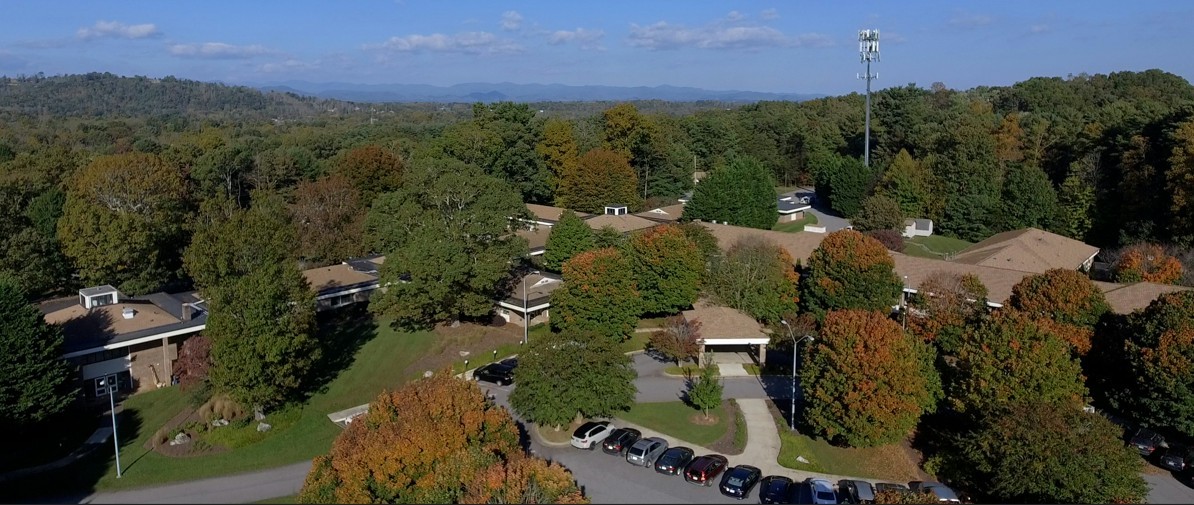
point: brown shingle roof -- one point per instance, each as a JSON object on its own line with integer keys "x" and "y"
{"x": 1028, "y": 250}
{"x": 539, "y": 289}
{"x": 334, "y": 276}
{"x": 999, "y": 281}
{"x": 719, "y": 322}
{"x": 799, "y": 245}
{"x": 537, "y": 238}
{"x": 669, "y": 213}
{"x": 1126, "y": 298}
{"x": 548, "y": 213}
{"x": 624, "y": 223}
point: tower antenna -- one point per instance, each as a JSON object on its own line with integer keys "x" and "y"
{"x": 868, "y": 50}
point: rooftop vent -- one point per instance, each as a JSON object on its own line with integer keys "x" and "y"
{"x": 128, "y": 312}
{"x": 615, "y": 210}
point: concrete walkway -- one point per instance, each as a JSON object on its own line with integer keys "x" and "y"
{"x": 732, "y": 370}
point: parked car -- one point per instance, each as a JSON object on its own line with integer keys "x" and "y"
{"x": 1177, "y": 458}
{"x": 775, "y": 489}
{"x": 646, "y": 451}
{"x": 674, "y": 460}
{"x": 620, "y": 440}
{"x": 704, "y": 469}
{"x": 855, "y": 491}
{"x": 939, "y": 491}
{"x": 888, "y": 486}
{"x": 496, "y": 373}
{"x": 802, "y": 493}
{"x": 738, "y": 481}
{"x": 823, "y": 492}
{"x": 590, "y": 434}
{"x": 510, "y": 362}
{"x": 1146, "y": 441}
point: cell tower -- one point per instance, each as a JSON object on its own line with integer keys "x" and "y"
{"x": 868, "y": 50}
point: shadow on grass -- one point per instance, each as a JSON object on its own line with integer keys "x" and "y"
{"x": 341, "y": 333}
{"x": 75, "y": 482}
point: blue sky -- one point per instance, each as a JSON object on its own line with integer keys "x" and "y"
{"x": 802, "y": 47}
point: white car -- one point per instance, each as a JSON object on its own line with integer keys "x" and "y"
{"x": 823, "y": 492}
{"x": 646, "y": 451}
{"x": 591, "y": 434}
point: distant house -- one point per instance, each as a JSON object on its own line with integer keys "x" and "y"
{"x": 728, "y": 329}
{"x": 616, "y": 216}
{"x": 536, "y": 239}
{"x": 918, "y": 228}
{"x": 128, "y": 341}
{"x": 547, "y": 215}
{"x": 533, "y": 303}
{"x": 791, "y": 208}
{"x": 350, "y": 282}
{"x": 1029, "y": 250}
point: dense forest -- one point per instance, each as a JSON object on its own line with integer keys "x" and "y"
{"x": 104, "y": 179}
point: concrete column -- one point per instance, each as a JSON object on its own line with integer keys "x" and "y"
{"x": 762, "y": 354}
{"x": 167, "y": 364}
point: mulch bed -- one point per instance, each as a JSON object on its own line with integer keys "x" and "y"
{"x": 725, "y": 444}
{"x": 186, "y": 450}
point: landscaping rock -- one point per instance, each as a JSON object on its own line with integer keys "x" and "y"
{"x": 464, "y": 354}
{"x": 801, "y": 459}
{"x": 181, "y": 438}
{"x": 428, "y": 373}
{"x": 263, "y": 427}
{"x": 258, "y": 414}
{"x": 219, "y": 422}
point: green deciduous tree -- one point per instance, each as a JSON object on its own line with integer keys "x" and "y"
{"x": 1010, "y": 359}
{"x": 122, "y": 222}
{"x": 1039, "y": 453}
{"x": 601, "y": 177}
{"x": 704, "y": 389}
{"x": 446, "y": 236}
{"x": 1158, "y": 353}
{"x": 945, "y": 306}
{"x": 558, "y": 149}
{"x": 435, "y": 440}
{"x": 850, "y": 271}
{"x": 668, "y": 269}
{"x": 574, "y": 372}
{"x": 1180, "y": 180}
{"x": 740, "y": 193}
{"x": 262, "y": 316}
{"x": 757, "y": 277}
{"x": 866, "y": 382}
{"x": 1075, "y": 202}
{"x": 569, "y": 237}
{"x": 35, "y": 382}
{"x": 843, "y": 183}
{"x": 1028, "y": 199}
{"x": 879, "y": 213}
{"x": 599, "y": 295}
{"x": 1065, "y": 296}
{"x": 703, "y": 238}
{"x": 908, "y": 182}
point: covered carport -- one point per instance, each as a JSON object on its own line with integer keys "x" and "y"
{"x": 728, "y": 331}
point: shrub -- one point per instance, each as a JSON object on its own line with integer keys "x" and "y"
{"x": 891, "y": 239}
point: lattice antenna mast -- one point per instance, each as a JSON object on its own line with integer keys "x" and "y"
{"x": 868, "y": 50}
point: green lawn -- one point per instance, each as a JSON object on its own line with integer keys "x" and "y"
{"x": 797, "y": 225}
{"x": 671, "y": 418}
{"x": 889, "y": 462}
{"x": 934, "y": 246}
{"x": 378, "y": 364}
{"x": 637, "y": 342}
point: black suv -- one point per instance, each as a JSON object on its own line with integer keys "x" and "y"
{"x": 620, "y": 440}
{"x": 1146, "y": 441}
{"x": 497, "y": 373}
{"x": 1177, "y": 458}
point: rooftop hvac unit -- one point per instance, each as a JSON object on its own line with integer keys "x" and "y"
{"x": 128, "y": 312}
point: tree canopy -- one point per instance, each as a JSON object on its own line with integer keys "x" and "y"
{"x": 599, "y": 295}
{"x": 740, "y": 193}
{"x": 435, "y": 440}
{"x": 600, "y": 178}
{"x": 668, "y": 268}
{"x": 1158, "y": 354}
{"x": 757, "y": 277}
{"x": 570, "y": 373}
{"x": 850, "y": 271}
{"x": 569, "y": 237}
{"x": 35, "y": 382}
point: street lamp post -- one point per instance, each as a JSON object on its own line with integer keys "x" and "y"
{"x": 111, "y": 388}
{"x": 792, "y": 418}
{"x": 526, "y": 321}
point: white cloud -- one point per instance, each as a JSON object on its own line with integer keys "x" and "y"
{"x": 968, "y": 20}
{"x": 463, "y": 43}
{"x": 511, "y": 20}
{"x": 585, "y": 38}
{"x": 217, "y": 51}
{"x": 116, "y": 29}
{"x": 769, "y": 14}
{"x": 726, "y": 33}
{"x": 290, "y": 65}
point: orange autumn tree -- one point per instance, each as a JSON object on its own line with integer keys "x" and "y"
{"x": 1064, "y": 303}
{"x": 1148, "y": 263}
{"x": 866, "y": 381}
{"x": 371, "y": 169}
{"x": 946, "y": 303}
{"x": 850, "y": 270}
{"x": 436, "y": 440}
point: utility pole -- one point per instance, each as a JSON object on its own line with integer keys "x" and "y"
{"x": 868, "y": 50}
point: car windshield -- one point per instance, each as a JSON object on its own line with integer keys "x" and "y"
{"x": 825, "y": 495}
{"x": 777, "y": 485}
{"x": 734, "y": 481}
{"x": 637, "y": 451}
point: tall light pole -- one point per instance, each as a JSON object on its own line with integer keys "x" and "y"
{"x": 868, "y": 50}
{"x": 792, "y": 418}
{"x": 526, "y": 321}
{"x": 110, "y": 386}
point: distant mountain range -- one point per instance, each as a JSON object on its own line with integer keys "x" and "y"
{"x": 495, "y": 92}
